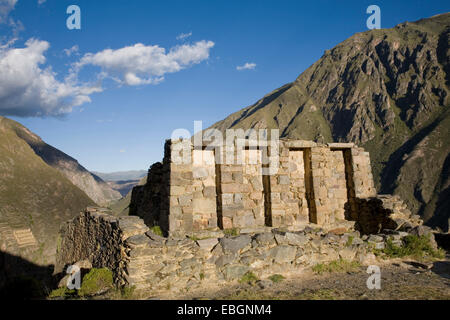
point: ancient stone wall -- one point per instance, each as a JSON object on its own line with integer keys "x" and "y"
{"x": 312, "y": 184}
{"x": 98, "y": 237}
{"x": 146, "y": 261}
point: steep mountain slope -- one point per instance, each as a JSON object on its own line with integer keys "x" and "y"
{"x": 97, "y": 189}
{"x": 121, "y": 207}
{"x": 386, "y": 90}
{"x": 34, "y": 198}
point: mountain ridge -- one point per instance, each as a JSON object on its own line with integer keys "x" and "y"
{"x": 97, "y": 189}
{"x": 33, "y": 196}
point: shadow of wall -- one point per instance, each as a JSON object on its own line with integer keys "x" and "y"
{"x": 21, "y": 279}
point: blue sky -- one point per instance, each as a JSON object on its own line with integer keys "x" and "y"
{"x": 124, "y": 126}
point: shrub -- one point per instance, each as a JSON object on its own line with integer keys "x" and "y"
{"x": 414, "y": 246}
{"x": 249, "y": 278}
{"x": 157, "y": 230}
{"x": 96, "y": 281}
{"x": 276, "y": 278}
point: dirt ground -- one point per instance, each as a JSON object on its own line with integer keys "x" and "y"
{"x": 400, "y": 280}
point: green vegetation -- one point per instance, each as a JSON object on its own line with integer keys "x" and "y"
{"x": 249, "y": 278}
{"x": 349, "y": 241}
{"x": 276, "y": 278}
{"x": 127, "y": 293}
{"x": 34, "y": 194}
{"x": 96, "y": 281}
{"x": 340, "y": 265}
{"x": 413, "y": 246}
{"x": 157, "y": 230}
{"x": 63, "y": 292}
{"x": 231, "y": 232}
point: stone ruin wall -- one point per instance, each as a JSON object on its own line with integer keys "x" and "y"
{"x": 313, "y": 184}
{"x": 139, "y": 258}
{"x": 304, "y": 214}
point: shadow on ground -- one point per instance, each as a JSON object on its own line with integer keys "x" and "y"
{"x": 21, "y": 279}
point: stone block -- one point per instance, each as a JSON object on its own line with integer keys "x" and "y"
{"x": 207, "y": 244}
{"x": 283, "y": 253}
{"x": 236, "y": 244}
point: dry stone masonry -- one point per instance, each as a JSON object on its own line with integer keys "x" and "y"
{"x": 319, "y": 206}
{"x": 312, "y": 184}
{"x": 155, "y": 264}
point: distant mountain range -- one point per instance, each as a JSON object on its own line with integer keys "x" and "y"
{"x": 386, "y": 90}
{"x": 122, "y": 175}
{"x": 122, "y": 181}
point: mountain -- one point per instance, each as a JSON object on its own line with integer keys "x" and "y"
{"x": 122, "y": 181}
{"x": 97, "y": 189}
{"x": 35, "y": 198}
{"x": 386, "y": 90}
{"x": 121, "y": 207}
{"x": 121, "y": 175}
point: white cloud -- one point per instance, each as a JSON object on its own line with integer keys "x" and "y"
{"x": 41, "y": 1}
{"x": 74, "y": 50}
{"x": 140, "y": 64}
{"x": 26, "y": 89}
{"x": 247, "y": 66}
{"x": 6, "y": 6}
{"x": 183, "y": 36}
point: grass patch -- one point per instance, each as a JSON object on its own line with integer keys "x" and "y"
{"x": 127, "y": 293}
{"x": 413, "y": 246}
{"x": 157, "y": 230}
{"x": 63, "y": 292}
{"x": 231, "y": 232}
{"x": 96, "y": 281}
{"x": 249, "y": 278}
{"x": 340, "y": 265}
{"x": 349, "y": 241}
{"x": 276, "y": 278}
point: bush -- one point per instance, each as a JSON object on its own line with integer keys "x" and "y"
{"x": 249, "y": 278}
{"x": 276, "y": 278}
{"x": 96, "y": 281}
{"x": 414, "y": 246}
{"x": 157, "y": 230}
